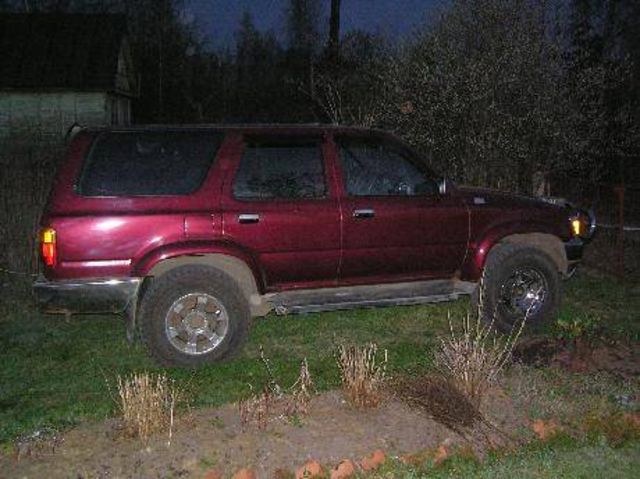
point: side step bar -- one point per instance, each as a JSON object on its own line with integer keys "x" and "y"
{"x": 368, "y": 296}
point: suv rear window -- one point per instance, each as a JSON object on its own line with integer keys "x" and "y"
{"x": 148, "y": 163}
{"x": 286, "y": 169}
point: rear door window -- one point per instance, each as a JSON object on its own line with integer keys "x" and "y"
{"x": 148, "y": 163}
{"x": 287, "y": 169}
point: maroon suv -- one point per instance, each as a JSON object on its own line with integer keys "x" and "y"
{"x": 193, "y": 230}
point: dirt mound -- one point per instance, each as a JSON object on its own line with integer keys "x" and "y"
{"x": 333, "y": 431}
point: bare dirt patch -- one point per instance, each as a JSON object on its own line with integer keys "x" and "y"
{"x": 215, "y": 438}
{"x": 616, "y": 357}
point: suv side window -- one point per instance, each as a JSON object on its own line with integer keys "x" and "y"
{"x": 130, "y": 163}
{"x": 373, "y": 168}
{"x": 288, "y": 169}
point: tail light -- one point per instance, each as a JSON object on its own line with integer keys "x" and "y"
{"x": 48, "y": 246}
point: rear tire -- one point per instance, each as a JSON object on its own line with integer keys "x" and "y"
{"x": 518, "y": 281}
{"x": 193, "y": 315}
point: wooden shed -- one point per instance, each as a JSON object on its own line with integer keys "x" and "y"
{"x": 61, "y": 69}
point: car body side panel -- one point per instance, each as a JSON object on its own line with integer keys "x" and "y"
{"x": 100, "y": 246}
{"x": 106, "y": 236}
{"x": 146, "y": 264}
{"x": 419, "y": 236}
{"x": 495, "y": 216}
{"x": 404, "y": 238}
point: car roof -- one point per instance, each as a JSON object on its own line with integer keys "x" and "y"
{"x": 267, "y": 128}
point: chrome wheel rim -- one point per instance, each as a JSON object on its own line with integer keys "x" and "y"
{"x": 196, "y": 323}
{"x": 524, "y": 292}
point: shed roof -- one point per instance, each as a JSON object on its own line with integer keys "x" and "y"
{"x": 60, "y": 51}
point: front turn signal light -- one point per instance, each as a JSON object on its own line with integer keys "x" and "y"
{"x": 577, "y": 227}
{"x": 48, "y": 246}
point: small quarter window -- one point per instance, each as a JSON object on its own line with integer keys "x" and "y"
{"x": 148, "y": 163}
{"x": 280, "y": 170}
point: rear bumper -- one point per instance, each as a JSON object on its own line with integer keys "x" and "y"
{"x": 101, "y": 295}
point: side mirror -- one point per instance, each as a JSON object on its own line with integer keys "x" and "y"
{"x": 72, "y": 131}
{"x": 444, "y": 186}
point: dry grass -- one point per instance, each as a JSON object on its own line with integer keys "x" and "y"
{"x": 362, "y": 375}
{"x": 300, "y": 393}
{"x": 258, "y": 408}
{"x": 255, "y": 409}
{"x": 147, "y": 403}
{"x": 440, "y": 399}
{"x": 473, "y": 356}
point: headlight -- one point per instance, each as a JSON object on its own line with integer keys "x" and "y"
{"x": 583, "y": 224}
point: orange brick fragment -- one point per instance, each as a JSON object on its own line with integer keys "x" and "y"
{"x": 212, "y": 474}
{"x": 544, "y": 429}
{"x": 441, "y": 454}
{"x": 345, "y": 469}
{"x": 310, "y": 469}
{"x": 245, "y": 474}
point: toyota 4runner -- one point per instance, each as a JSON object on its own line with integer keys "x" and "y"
{"x": 193, "y": 230}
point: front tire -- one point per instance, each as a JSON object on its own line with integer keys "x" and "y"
{"x": 193, "y": 315}
{"x": 518, "y": 281}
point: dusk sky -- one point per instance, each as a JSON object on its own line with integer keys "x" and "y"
{"x": 392, "y": 18}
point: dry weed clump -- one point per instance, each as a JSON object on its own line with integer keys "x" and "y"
{"x": 300, "y": 393}
{"x": 473, "y": 357}
{"x": 362, "y": 375}
{"x": 255, "y": 409}
{"x": 618, "y": 427}
{"x": 441, "y": 399}
{"x": 42, "y": 442}
{"x": 147, "y": 403}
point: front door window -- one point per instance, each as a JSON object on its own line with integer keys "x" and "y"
{"x": 374, "y": 169}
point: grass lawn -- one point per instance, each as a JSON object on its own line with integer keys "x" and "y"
{"x": 55, "y": 373}
{"x": 562, "y": 457}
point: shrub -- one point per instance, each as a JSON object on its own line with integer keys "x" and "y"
{"x": 473, "y": 357}
{"x": 28, "y": 165}
{"x": 572, "y": 328}
{"x": 361, "y": 373}
{"x": 147, "y": 403}
{"x": 441, "y": 399}
{"x": 300, "y": 392}
{"x": 255, "y": 409}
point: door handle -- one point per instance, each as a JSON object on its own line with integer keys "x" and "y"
{"x": 248, "y": 218}
{"x": 364, "y": 213}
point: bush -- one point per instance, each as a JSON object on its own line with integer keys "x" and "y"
{"x": 361, "y": 373}
{"x": 473, "y": 357}
{"x": 28, "y": 164}
{"x": 147, "y": 404}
